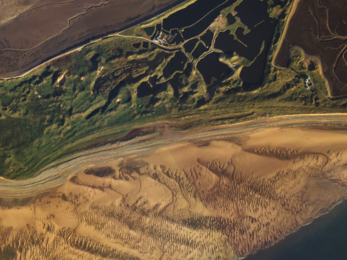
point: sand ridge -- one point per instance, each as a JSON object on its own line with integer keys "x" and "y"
{"x": 220, "y": 193}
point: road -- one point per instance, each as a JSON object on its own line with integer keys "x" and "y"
{"x": 169, "y": 48}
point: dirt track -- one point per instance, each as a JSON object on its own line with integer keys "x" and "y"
{"x": 48, "y": 27}
{"x": 319, "y": 29}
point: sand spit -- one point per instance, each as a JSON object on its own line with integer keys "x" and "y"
{"x": 216, "y": 193}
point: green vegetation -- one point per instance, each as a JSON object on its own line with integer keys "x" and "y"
{"x": 149, "y": 30}
{"x": 99, "y": 99}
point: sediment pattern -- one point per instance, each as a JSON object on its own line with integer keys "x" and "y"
{"x": 217, "y": 194}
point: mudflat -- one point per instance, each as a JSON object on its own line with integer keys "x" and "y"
{"x": 221, "y": 192}
{"x": 11, "y": 9}
{"x": 319, "y": 30}
{"x": 46, "y": 28}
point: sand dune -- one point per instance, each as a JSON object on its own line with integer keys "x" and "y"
{"x": 217, "y": 193}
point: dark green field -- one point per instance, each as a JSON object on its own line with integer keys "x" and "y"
{"x": 101, "y": 92}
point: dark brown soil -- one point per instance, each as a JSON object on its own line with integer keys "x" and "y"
{"x": 51, "y": 27}
{"x": 319, "y": 27}
{"x": 100, "y": 172}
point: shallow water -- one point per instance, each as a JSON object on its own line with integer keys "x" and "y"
{"x": 325, "y": 238}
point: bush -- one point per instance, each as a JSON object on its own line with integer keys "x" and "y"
{"x": 121, "y": 118}
{"x": 80, "y": 64}
{"x": 149, "y": 30}
{"x": 160, "y": 110}
{"x": 5, "y": 100}
{"x": 125, "y": 95}
{"x": 47, "y": 90}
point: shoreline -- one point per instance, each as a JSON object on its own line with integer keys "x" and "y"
{"x": 93, "y": 39}
{"x": 48, "y": 178}
{"x": 187, "y": 151}
{"x": 209, "y": 131}
{"x": 296, "y": 230}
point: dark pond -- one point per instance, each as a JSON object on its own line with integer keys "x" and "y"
{"x": 157, "y": 88}
{"x": 210, "y": 67}
{"x": 231, "y": 19}
{"x": 207, "y": 38}
{"x": 264, "y": 32}
{"x": 190, "y": 14}
{"x": 259, "y": 34}
{"x": 253, "y": 40}
{"x": 174, "y": 82}
{"x": 254, "y": 73}
{"x": 253, "y": 13}
{"x": 227, "y": 43}
{"x": 177, "y": 63}
{"x": 178, "y": 38}
{"x": 137, "y": 45}
{"x": 199, "y": 50}
{"x": 324, "y": 239}
{"x": 189, "y": 46}
{"x": 153, "y": 80}
{"x": 145, "y": 45}
{"x": 200, "y": 102}
{"x": 144, "y": 89}
{"x": 205, "y": 22}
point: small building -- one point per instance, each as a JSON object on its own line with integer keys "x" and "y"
{"x": 163, "y": 38}
{"x": 308, "y": 83}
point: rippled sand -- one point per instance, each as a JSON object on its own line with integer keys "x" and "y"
{"x": 217, "y": 193}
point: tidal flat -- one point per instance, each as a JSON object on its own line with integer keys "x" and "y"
{"x": 220, "y": 192}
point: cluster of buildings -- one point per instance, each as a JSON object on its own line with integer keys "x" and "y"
{"x": 163, "y": 38}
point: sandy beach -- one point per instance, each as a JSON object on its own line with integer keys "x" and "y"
{"x": 219, "y": 192}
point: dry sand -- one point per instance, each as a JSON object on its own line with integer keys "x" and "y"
{"x": 219, "y": 193}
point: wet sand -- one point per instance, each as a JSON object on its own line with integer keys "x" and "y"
{"x": 223, "y": 192}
